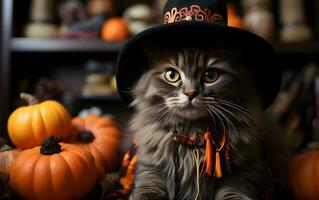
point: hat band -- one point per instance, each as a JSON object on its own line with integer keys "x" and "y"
{"x": 194, "y": 13}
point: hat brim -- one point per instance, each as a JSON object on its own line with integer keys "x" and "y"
{"x": 258, "y": 54}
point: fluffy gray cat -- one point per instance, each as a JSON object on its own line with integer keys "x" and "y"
{"x": 186, "y": 92}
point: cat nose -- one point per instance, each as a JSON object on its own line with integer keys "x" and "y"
{"x": 190, "y": 94}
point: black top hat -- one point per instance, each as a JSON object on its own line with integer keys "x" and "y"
{"x": 200, "y": 23}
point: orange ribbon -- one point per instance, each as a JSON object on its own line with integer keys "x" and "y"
{"x": 208, "y": 162}
{"x": 218, "y": 168}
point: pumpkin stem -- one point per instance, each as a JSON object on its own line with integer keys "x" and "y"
{"x": 51, "y": 145}
{"x": 29, "y": 98}
{"x": 85, "y": 137}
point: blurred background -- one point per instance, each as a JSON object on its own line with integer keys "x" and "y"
{"x": 66, "y": 50}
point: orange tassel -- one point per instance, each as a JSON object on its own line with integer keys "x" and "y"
{"x": 209, "y": 154}
{"x": 218, "y": 168}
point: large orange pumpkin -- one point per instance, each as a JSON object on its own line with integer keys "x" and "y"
{"x": 29, "y": 125}
{"x": 101, "y": 137}
{"x": 303, "y": 175}
{"x": 115, "y": 29}
{"x": 54, "y": 171}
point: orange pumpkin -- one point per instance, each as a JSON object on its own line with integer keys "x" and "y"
{"x": 7, "y": 157}
{"x": 101, "y": 137}
{"x": 233, "y": 18}
{"x": 115, "y": 29}
{"x": 29, "y": 125}
{"x": 303, "y": 176}
{"x": 54, "y": 171}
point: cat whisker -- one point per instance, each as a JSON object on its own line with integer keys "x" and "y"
{"x": 242, "y": 110}
{"x": 220, "y": 120}
{"x": 157, "y": 120}
{"x": 155, "y": 116}
{"x": 212, "y": 114}
{"x": 232, "y": 104}
{"x": 229, "y": 122}
{"x": 230, "y": 113}
{"x": 152, "y": 107}
{"x": 233, "y": 131}
{"x": 172, "y": 98}
{"x": 171, "y": 117}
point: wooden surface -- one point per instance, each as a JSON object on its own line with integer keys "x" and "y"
{"x": 77, "y": 45}
{"x": 63, "y": 45}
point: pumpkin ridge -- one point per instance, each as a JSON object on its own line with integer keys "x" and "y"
{"x": 33, "y": 175}
{"x": 38, "y": 134}
{"x": 41, "y": 170}
{"x": 13, "y": 126}
{"x": 70, "y": 170}
{"x": 72, "y": 150}
{"x": 51, "y": 180}
{"x": 19, "y": 163}
{"x": 46, "y": 130}
{"x": 111, "y": 145}
{"x": 106, "y": 160}
{"x": 88, "y": 165}
{"x": 61, "y": 115}
{"x": 27, "y": 114}
{"x": 48, "y": 110}
{"x": 99, "y": 162}
{"x": 95, "y": 148}
{"x": 80, "y": 157}
{"x": 45, "y": 110}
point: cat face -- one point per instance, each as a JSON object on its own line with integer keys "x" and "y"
{"x": 194, "y": 84}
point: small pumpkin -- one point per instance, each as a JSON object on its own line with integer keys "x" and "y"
{"x": 53, "y": 171}
{"x": 101, "y": 137}
{"x": 303, "y": 176}
{"x": 29, "y": 125}
{"x": 7, "y": 157}
{"x": 115, "y": 29}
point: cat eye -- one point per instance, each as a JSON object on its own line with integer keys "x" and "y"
{"x": 210, "y": 76}
{"x": 171, "y": 75}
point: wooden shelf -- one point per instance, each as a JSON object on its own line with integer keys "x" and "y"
{"x": 311, "y": 47}
{"x": 115, "y": 98}
{"x": 81, "y": 45}
{"x": 64, "y": 45}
